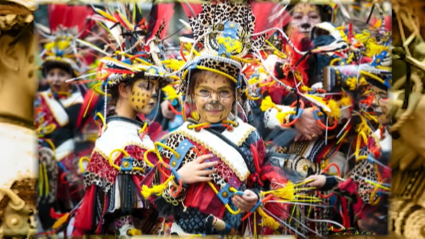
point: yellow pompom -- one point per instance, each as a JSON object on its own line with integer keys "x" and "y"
{"x": 335, "y": 110}
{"x": 267, "y": 103}
{"x": 345, "y": 101}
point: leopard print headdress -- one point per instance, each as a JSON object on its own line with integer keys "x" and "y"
{"x": 222, "y": 39}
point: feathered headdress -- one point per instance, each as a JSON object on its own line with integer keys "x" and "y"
{"x": 135, "y": 52}
{"x": 62, "y": 52}
{"x": 222, "y": 39}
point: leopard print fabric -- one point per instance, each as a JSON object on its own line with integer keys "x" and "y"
{"x": 173, "y": 141}
{"x": 366, "y": 170}
{"x": 216, "y": 15}
{"x": 94, "y": 179}
{"x": 217, "y": 64}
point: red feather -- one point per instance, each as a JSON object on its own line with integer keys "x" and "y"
{"x": 69, "y": 16}
{"x": 266, "y": 16}
{"x": 161, "y": 13}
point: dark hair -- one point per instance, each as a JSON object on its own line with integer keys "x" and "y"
{"x": 50, "y": 65}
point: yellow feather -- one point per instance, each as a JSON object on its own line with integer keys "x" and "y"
{"x": 126, "y": 21}
{"x": 335, "y": 110}
{"x": 106, "y": 15}
{"x": 169, "y": 91}
{"x": 60, "y": 221}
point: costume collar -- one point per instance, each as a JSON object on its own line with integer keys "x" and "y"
{"x": 136, "y": 122}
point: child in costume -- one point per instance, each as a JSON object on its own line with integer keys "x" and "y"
{"x": 212, "y": 161}
{"x": 368, "y": 183}
{"x": 112, "y": 204}
{"x": 59, "y": 121}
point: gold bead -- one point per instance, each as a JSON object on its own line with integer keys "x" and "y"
{"x": 225, "y": 194}
{"x": 126, "y": 164}
{"x": 174, "y": 163}
{"x": 305, "y": 167}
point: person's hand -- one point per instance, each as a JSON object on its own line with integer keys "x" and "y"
{"x": 307, "y": 125}
{"x": 196, "y": 171}
{"x": 165, "y": 109}
{"x": 318, "y": 181}
{"x": 245, "y": 202}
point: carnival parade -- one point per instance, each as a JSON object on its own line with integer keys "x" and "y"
{"x": 241, "y": 118}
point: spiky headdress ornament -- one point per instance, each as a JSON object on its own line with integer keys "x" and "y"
{"x": 222, "y": 39}
{"x": 135, "y": 52}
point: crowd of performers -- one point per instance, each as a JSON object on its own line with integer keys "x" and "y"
{"x": 264, "y": 123}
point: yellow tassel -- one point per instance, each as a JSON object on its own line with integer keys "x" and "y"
{"x": 267, "y": 220}
{"x": 287, "y": 192}
{"x": 60, "y": 221}
{"x": 267, "y": 103}
{"x": 156, "y": 189}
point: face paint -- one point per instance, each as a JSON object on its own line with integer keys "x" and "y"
{"x": 213, "y": 98}
{"x": 151, "y": 104}
{"x": 380, "y": 105}
{"x": 304, "y": 17}
{"x": 141, "y": 94}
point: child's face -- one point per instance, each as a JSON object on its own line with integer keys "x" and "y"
{"x": 381, "y": 105}
{"x": 213, "y": 96}
{"x": 304, "y": 17}
{"x": 56, "y": 78}
{"x": 141, "y": 95}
